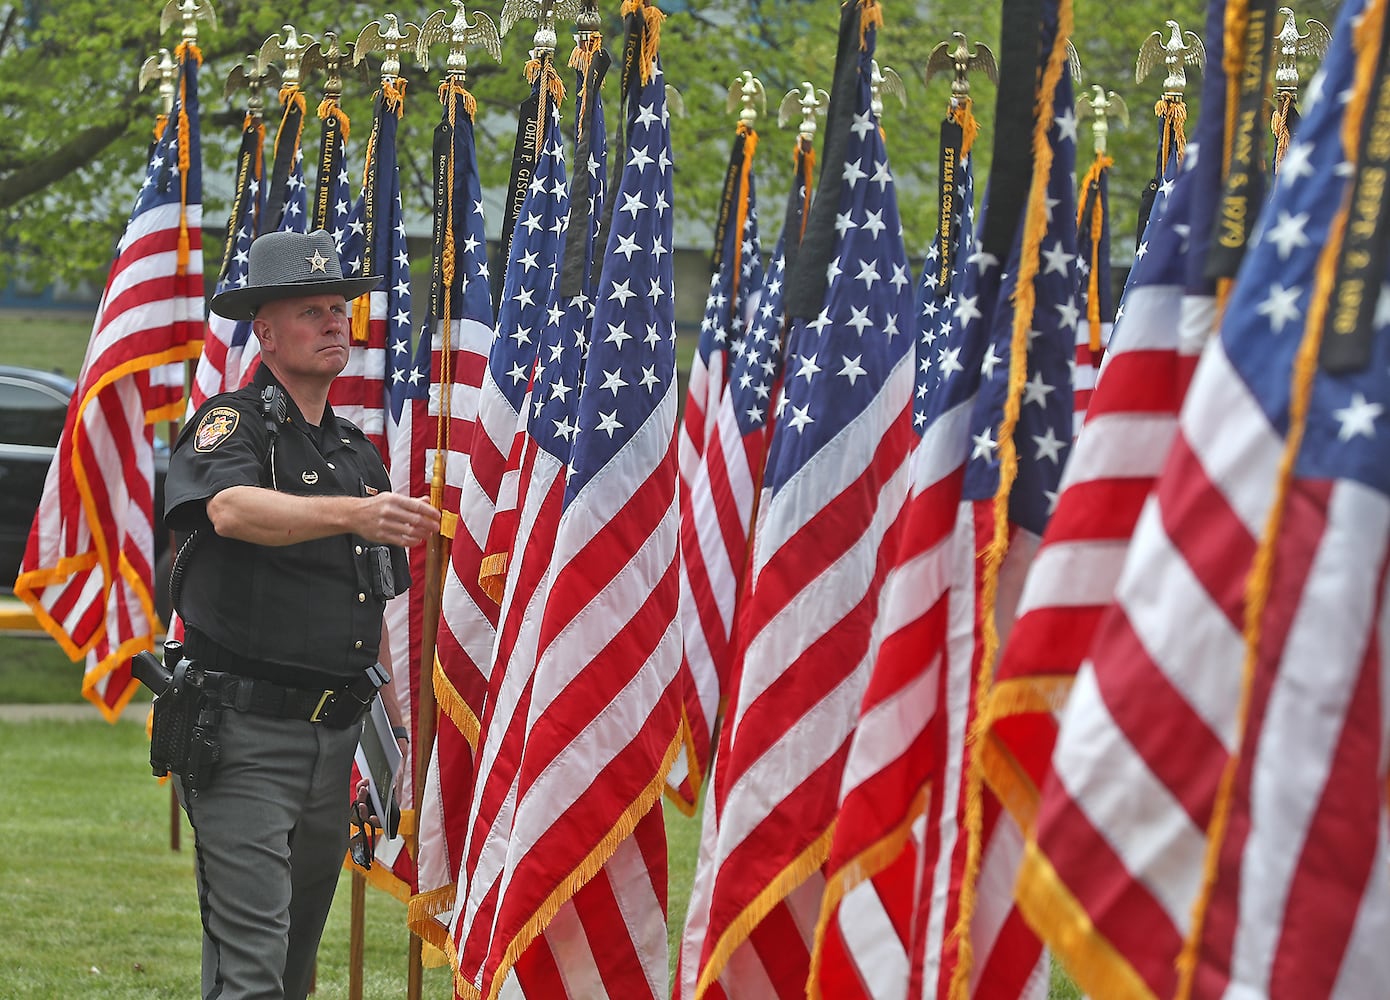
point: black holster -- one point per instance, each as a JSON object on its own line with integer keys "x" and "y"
{"x": 183, "y": 736}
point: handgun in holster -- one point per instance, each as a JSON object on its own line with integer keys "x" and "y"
{"x": 183, "y": 735}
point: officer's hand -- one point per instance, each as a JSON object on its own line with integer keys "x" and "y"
{"x": 362, "y": 805}
{"x": 392, "y": 519}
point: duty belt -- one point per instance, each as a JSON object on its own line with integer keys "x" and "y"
{"x": 337, "y": 708}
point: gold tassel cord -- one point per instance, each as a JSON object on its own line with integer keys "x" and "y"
{"x": 651, "y": 33}
{"x": 1091, "y": 186}
{"x": 328, "y": 108}
{"x": 543, "y": 69}
{"x": 362, "y": 305}
{"x": 1024, "y": 303}
{"x": 870, "y": 18}
{"x": 1173, "y": 111}
{"x": 583, "y": 55}
{"x": 1279, "y": 125}
{"x": 1366, "y": 46}
{"x": 447, "y": 264}
{"x": 184, "y": 52}
{"x": 963, "y": 114}
{"x": 1236, "y": 24}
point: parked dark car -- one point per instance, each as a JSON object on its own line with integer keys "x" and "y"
{"x": 33, "y": 407}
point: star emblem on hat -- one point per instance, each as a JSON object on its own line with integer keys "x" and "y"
{"x": 318, "y": 262}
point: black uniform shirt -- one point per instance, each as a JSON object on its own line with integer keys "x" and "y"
{"x": 308, "y": 614}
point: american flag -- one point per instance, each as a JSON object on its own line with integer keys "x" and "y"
{"x": 551, "y": 418}
{"x": 461, "y": 292}
{"x": 229, "y": 351}
{"x": 829, "y": 515}
{"x": 1098, "y": 298}
{"x": 471, "y": 654}
{"x": 871, "y": 874}
{"x": 469, "y": 612}
{"x": 404, "y": 378}
{"x": 374, "y": 243}
{"x": 1251, "y": 839}
{"x": 1117, "y": 457}
{"x": 590, "y": 775}
{"x": 1020, "y": 438}
{"x": 714, "y": 536}
{"x": 730, "y": 479}
{"x": 87, "y": 571}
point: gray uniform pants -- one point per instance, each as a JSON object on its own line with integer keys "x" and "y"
{"x": 270, "y": 833}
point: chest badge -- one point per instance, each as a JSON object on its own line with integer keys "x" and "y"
{"x": 310, "y": 478}
{"x": 216, "y": 426}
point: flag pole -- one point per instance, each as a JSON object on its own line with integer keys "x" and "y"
{"x": 162, "y": 67}
{"x": 460, "y": 33}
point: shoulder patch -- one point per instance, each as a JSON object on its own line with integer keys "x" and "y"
{"x": 217, "y": 425}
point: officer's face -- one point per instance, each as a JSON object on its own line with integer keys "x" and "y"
{"x": 306, "y": 337}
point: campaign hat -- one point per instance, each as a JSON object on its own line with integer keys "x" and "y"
{"x": 287, "y": 265}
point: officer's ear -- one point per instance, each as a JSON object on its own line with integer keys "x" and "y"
{"x": 260, "y": 329}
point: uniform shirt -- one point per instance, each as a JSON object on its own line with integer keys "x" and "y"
{"x": 304, "y": 615}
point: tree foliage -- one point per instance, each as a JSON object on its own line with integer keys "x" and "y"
{"x": 76, "y": 126}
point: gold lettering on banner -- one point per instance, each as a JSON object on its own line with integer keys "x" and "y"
{"x": 1361, "y": 262}
{"x": 1242, "y": 183}
{"x": 946, "y": 224}
{"x": 330, "y": 128}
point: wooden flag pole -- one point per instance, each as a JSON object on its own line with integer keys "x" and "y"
{"x": 357, "y": 936}
{"x": 425, "y": 719}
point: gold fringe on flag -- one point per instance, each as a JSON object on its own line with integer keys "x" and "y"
{"x": 1366, "y": 47}
{"x": 858, "y": 870}
{"x": 648, "y": 799}
{"x": 1024, "y": 303}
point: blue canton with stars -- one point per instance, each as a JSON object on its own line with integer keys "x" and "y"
{"x": 1173, "y": 249}
{"x": 553, "y": 420}
{"x": 243, "y": 230}
{"x": 1268, "y": 309}
{"x": 532, "y": 267}
{"x": 162, "y": 185}
{"x": 292, "y": 214}
{"x": 632, "y": 353}
{"x": 393, "y": 260}
{"x": 936, "y": 304}
{"x": 726, "y": 308}
{"x": 838, "y": 362}
{"x": 756, "y": 371}
{"x": 1043, "y": 433}
{"x": 470, "y": 294}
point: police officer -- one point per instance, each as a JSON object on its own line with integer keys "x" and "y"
{"x": 290, "y": 542}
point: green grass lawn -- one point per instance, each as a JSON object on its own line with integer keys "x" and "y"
{"x": 51, "y": 339}
{"x": 101, "y": 906}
